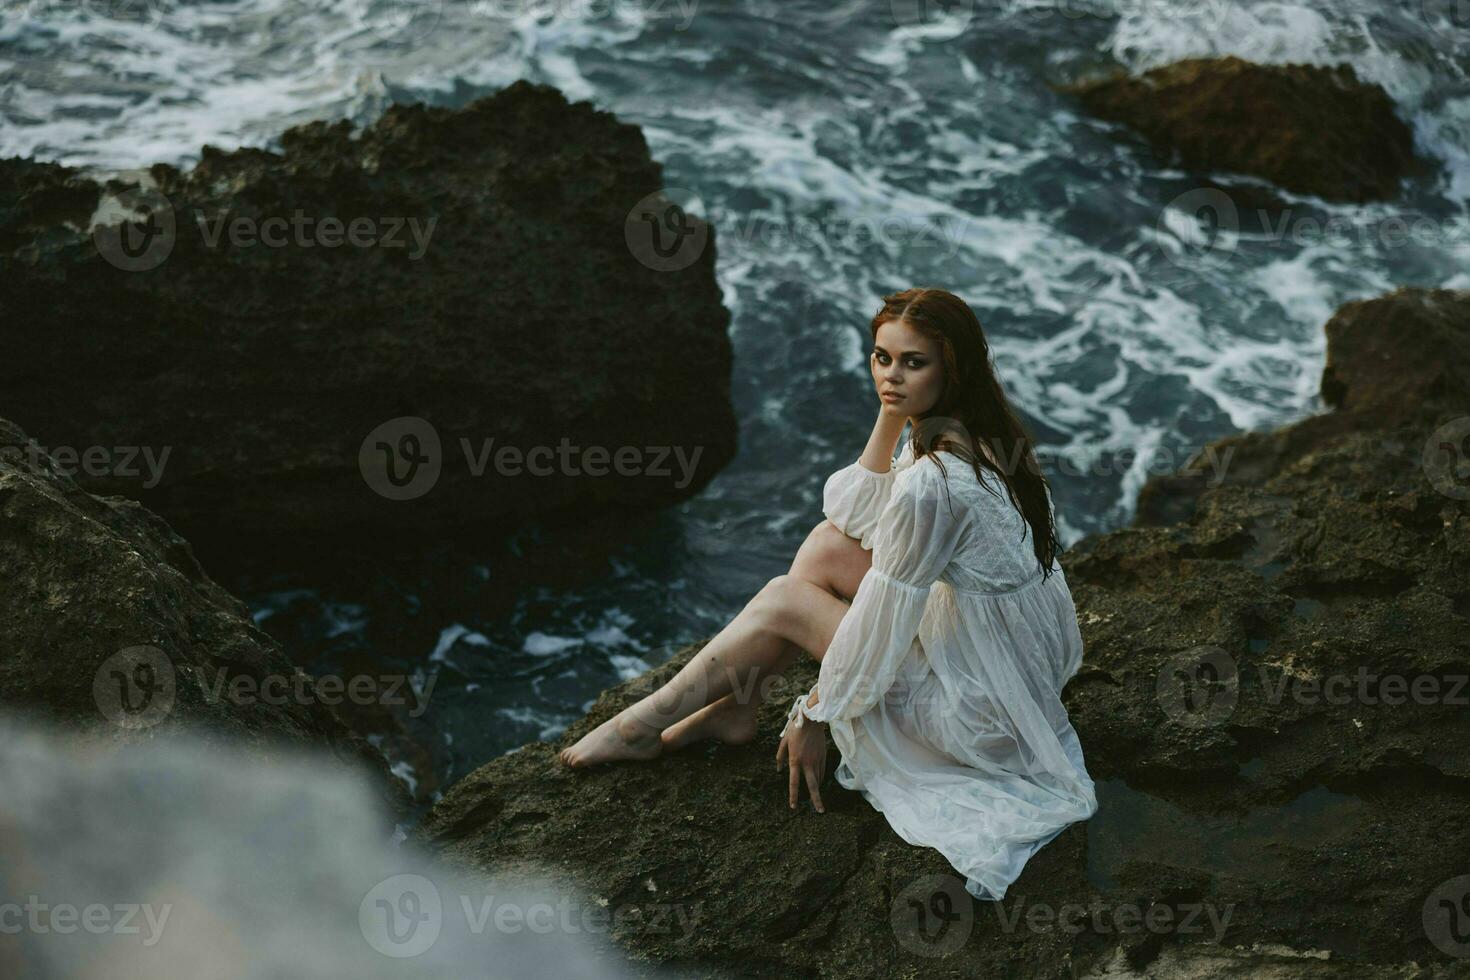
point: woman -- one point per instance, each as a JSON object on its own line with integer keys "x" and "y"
{"x": 941, "y": 682}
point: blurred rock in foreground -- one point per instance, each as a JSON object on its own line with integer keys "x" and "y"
{"x": 179, "y": 861}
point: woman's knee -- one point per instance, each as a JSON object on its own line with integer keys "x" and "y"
{"x": 773, "y": 594}
{"x": 830, "y": 536}
{"x": 824, "y": 545}
{"x": 832, "y": 561}
{"x": 776, "y": 603}
{"x": 792, "y": 609}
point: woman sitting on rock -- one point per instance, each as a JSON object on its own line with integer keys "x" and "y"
{"x": 941, "y": 680}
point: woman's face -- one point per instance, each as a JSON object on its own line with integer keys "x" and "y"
{"x": 906, "y": 362}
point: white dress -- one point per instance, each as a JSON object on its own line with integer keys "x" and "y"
{"x": 942, "y": 684}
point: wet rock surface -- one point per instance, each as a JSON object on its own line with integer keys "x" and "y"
{"x": 1263, "y": 810}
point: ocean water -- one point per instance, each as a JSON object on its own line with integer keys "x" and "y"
{"x": 843, "y": 151}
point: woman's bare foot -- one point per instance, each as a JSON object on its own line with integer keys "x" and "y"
{"x": 726, "y": 719}
{"x": 620, "y": 737}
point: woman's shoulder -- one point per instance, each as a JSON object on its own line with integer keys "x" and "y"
{"x": 959, "y": 472}
{"x": 930, "y": 473}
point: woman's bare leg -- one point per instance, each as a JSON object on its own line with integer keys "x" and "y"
{"x": 793, "y": 612}
{"x": 827, "y": 559}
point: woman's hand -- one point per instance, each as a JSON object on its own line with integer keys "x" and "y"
{"x": 805, "y": 749}
{"x": 892, "y": 410}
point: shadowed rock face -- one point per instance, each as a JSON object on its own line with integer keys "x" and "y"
{"x": 1307, "y": 128}
{"x": 515, "y": 305}
{"x": 110, "y": 626}
{"x": 1264, "y": 825}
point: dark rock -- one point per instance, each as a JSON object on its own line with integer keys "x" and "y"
{"x": 110, "y": 626}
{"x": 1273, "y": 827}
{"x": 262, "y": 370}
{"x": 707, "y": 832}
{"x": 1307, "y": 128}
{"x": 1393, "y": 358}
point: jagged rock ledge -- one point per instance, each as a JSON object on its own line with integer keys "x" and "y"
{"x": 1271, "y": 830}
{"x": 486, "y": 275}
{"x": 111, "y": 627}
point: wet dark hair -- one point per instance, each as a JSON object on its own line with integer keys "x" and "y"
{"x": 972, "y": 408}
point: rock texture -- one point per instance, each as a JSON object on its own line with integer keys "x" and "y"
{"x": 529, "y": 315}
{"x": 1392, "y": 362}
{"x": 110, "y": 626}
{"x": 1250, "y": 823}
{"x": 1307, "y": 128}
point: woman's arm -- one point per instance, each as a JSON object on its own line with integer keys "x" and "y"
{"x": 919, "y": 532}
{"x": 878, "y": 454}
{"x": 854, "y": 496}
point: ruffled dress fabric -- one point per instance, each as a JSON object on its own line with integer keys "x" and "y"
{"x": 942, "y": 685}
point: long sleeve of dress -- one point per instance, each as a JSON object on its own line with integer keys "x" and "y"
{"x": 914, "y": 538}
{"x": 854, "y": 497}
